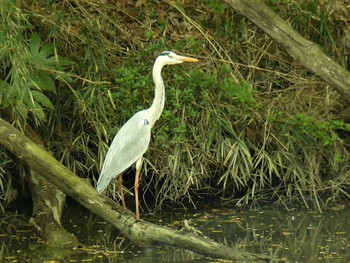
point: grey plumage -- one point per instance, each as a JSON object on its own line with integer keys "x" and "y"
{"x": 128, "y": 146}
{"x": 132, "y": 140}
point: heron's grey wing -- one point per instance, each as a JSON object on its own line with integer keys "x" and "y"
{"x": 130, "y": 143}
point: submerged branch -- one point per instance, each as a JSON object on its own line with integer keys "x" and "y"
{"x": 140, "y": 232}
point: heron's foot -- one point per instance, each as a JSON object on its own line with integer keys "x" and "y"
{"x": 186, "y": 227}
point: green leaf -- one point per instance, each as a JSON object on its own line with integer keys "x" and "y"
{"x": 63, "y": 62}
{"x": 34, "y": 44}
{"x": 38, "y": 112}
{"x": 44, "y": 54}
{"x": 42, "y": 99}
{"x": 22, "y": 109}
{"x": 34, "y": 107}
{"x": 4, "y": 85}
{"x": 47, "y": 50}
{"x": 42, "y": 81}
{"x": 4, "y": 91}
{"x": 11, "y": 92}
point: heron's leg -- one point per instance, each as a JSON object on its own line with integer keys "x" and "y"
{"x": 121, "y": 191}
{"x": 137, "y": 176}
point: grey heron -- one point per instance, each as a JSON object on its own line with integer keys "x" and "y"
{"x": 132, "y": 140}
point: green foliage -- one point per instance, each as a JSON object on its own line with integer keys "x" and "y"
{"x": 216, "y": 6}
{"x": 229, "y": 126}
{"x": 31, "y": 70}
{"x": 309, "y": 130}
{"x": 319, "y": 130}
{"x": 28, "y": 78}
{"x": 242, "y": 93}
{"x": 133, "y": 87}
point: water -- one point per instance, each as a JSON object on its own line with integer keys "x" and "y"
{"x": 298, "y": 235}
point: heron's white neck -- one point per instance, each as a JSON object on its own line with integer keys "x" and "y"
{"x": 159, "y": 93}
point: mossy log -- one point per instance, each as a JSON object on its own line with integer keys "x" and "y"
{"x": 48, "y": 202}
{"x": 141, "y": 232}
{"x": 47, "y": 211}
{"x": 306, "y": 52}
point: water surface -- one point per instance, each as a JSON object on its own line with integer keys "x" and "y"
{"x": 298, "y": 235}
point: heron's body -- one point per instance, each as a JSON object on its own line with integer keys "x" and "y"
{"x": 127, "y": 147}
{"x": 132, "y": 140}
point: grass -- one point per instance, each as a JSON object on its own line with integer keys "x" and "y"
{"x": 246, "y": 123}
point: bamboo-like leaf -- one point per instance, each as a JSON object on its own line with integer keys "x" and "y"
{"x": 22, "y": 109}
{"x": 38, "y": 112}
{"x": 4, "y": 92}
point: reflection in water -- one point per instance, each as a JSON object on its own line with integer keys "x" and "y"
{"x": 298, "y": 235}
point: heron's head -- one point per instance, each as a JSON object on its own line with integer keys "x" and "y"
{"x": 169, "y": 58}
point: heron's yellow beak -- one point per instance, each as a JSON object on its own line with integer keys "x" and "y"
{"x": 186, "y": 59}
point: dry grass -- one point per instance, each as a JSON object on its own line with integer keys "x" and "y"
{"x": 247, "y": 123}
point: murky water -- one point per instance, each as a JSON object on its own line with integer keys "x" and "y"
{"x": 297, "y": 235}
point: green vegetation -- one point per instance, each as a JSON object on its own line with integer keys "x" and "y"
{"x": 246, "y": 123}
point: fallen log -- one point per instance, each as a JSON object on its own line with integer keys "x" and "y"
{"x": 306, "y": 52}
{"x": 48, "y": 202}
{"x": 140, "y": 232}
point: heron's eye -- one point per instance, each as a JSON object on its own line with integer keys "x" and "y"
{"x": 165, "y": 53}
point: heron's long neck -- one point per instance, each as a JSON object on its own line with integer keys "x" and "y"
{"x": 159, "y": 94}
